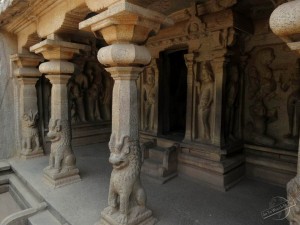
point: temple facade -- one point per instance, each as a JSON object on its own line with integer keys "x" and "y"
{"x": 206, "y": 90}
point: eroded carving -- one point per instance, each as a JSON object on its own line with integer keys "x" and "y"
{"x": 30, "y": 134}
{"x": 232, "y": 91}
{"x": 127, "y": 198}
{"x": 262, "y": 87}
{"x": 149, "y": 93}
{"x": 90, "y": 94}
{"x": 205, "y": 93}
{"x": 62, "y": 158}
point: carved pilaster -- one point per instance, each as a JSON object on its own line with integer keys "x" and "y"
{"x": 190, "y": 63}
{"x": 125, "y": 27}
{"x": 27, "y": 75}
{"x": 62, "y": 168}
{"x": 219, "y": 65}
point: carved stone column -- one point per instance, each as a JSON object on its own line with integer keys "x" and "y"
{"x": 190, "y": 62}
{"x": 285, "y": 23}
{"x": 125, "y": 27}
{"x": 62, "y": 168}
{"x": 27, "y": 75}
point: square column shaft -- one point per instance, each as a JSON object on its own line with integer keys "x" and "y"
{"x": 28, "y": 75}
{"x": 125, "y": 27}
{"x": 62, "y": 168}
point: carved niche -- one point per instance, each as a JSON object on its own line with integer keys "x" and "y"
{"x": 204, "y": 97}
{"x": 272, "y": 97}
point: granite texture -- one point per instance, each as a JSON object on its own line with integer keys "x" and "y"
{"x": 178, "y": 202}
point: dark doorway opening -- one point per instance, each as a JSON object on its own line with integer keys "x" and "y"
{"x": 172, "y": 93}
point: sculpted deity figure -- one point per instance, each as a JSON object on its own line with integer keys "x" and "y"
{"x": 77, "y": 102}
{"x": 205, "y": 92}
{"x": 262, "y": 90}
{"x": 94, "y": 92}
{"x": 149, "y": 99}
{"x": 232, "y": 91}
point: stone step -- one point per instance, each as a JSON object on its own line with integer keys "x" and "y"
{"x": 157, "y": 153}
{"x": 151, "y": 167}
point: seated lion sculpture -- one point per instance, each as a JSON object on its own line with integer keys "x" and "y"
{"x": 30, "y": 133}
{"x": 125, "y": 191}
{"x": 62, "y": 158}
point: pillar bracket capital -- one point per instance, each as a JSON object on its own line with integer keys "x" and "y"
{"x": 125, "y": 22}
{"x": 26, "y": 65}
{"x": 57, "y": 49}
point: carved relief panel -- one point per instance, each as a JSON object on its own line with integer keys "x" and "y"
{"x": 203, "y": 101}
{"x": 272, "y": 98}
{"x": 90, "y": 94}
{"x": 149, "y": 95}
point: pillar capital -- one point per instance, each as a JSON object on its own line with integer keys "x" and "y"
{"x": 58, "y": 49}
{"x": 26, "y": 65}
{"x": 125, "y": 22}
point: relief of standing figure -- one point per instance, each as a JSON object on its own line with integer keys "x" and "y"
{"x": 205, "y": 92}
{"x": 149, "y": 99}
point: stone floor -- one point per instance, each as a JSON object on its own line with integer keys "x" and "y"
{"x": 178, "y": 202}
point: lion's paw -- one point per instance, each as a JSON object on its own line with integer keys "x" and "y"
{"x": 122, "y": 219}
{"x": 109, "y": 210}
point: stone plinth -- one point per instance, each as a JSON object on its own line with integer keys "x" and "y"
{"x": 62, "y": 162}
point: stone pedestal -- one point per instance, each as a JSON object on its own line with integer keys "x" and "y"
{"x": 28, "y": 75}
{"x": 125, "y": 27}
{"x": 62, "y": 163}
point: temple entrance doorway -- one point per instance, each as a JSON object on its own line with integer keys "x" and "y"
{"x": 172, "y": 94}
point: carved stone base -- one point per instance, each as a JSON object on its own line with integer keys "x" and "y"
{"x": 63, "y": 178}
{"x": 292, "y": 212}
{"x": 137, "y": 216}
{"x": 31, "y": 154}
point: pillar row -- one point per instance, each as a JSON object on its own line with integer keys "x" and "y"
{"x": 28, "y": 74}
{"x": 62, "y": 168}
{"x": 125, "y": 27}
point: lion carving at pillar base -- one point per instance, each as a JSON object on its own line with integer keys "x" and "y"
{"x": 62, "y": 158}
{"x": 127, "y": 197}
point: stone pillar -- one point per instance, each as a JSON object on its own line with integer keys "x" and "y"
{"x": 28, "y": 75}
{"x": 190, "y": 63}
{"x": 125, "y": 27}
{"x": 285, "y": 23}
{"x": 62, "y": 168}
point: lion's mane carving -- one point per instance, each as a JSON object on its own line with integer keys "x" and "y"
{"x": 125, "y": 191}
{"x": 62, "y": 158}
{"x": 30, "y": 133}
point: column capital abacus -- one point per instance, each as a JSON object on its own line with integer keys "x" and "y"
{"x": 26, "y": 65}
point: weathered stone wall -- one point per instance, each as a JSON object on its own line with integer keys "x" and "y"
{"x": 272, "y": 91}
{"x": 8, "y": 139}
